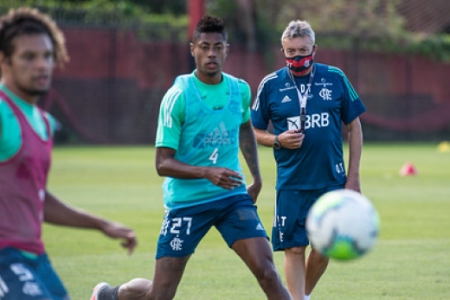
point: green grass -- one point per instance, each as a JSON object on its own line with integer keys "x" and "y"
{"x": 411, "y": 259}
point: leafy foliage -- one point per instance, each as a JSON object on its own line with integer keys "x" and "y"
{"x": 372, "y": 25}
{"x": 116, "y": 14}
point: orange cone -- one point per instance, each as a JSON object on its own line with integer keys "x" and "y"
{"x": 408, "y": 170}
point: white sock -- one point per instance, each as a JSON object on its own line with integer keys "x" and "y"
{"x": 307, "y": 297}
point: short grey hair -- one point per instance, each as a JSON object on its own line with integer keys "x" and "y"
{"x": 298, "y": 28}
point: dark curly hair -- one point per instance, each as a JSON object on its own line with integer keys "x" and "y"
{"x": 26, "y": 20}
{"x": 210, "y": 24}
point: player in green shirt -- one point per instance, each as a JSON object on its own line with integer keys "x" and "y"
{"x": 204, "y": 121}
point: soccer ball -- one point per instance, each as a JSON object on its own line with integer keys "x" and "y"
{"x": 342, "y": 224}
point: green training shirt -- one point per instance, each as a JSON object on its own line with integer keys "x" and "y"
{"x": 10, "y": 132}
{"x": 202, "y": 123}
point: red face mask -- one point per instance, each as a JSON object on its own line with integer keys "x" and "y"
{"x": 299, "y": 64}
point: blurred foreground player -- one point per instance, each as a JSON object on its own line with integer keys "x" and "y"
{"x": 30, "y": 46}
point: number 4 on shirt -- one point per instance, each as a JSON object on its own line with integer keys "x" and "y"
{"x": 214, "y": 156}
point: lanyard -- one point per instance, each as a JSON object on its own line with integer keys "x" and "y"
{"x": 303, "y": 99}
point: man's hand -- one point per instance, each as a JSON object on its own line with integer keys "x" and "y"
{"x": 117, "y": 231}
{"x": 223, "y": 177}
{"x": 291, "y": 139}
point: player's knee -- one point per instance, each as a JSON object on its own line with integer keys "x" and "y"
{"x": 316, "y": 255}
{"x": 138, "y": 288}
{"x": 300, "y": 251}
{"x": 267, "y": 275}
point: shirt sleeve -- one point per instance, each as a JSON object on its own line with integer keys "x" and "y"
{"x": 260, "y": 113}
{"x": 352, "y": 106}
{"x": 246, "y": 100}
{"x": 2, "y": 116}
{"x": 172, "y": 113}
{"x": 54, "y": 124}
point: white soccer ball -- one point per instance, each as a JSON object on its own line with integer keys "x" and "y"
{"x": 342, "y": 224}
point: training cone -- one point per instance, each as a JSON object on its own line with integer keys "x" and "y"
{"x": 444, "y": 147}
{"x": 408, "y": 170}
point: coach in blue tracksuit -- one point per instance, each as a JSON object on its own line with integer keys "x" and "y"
{"x": 307, "y": 103}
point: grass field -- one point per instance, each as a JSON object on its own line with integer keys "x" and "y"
{"x": 411, "y": 259}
